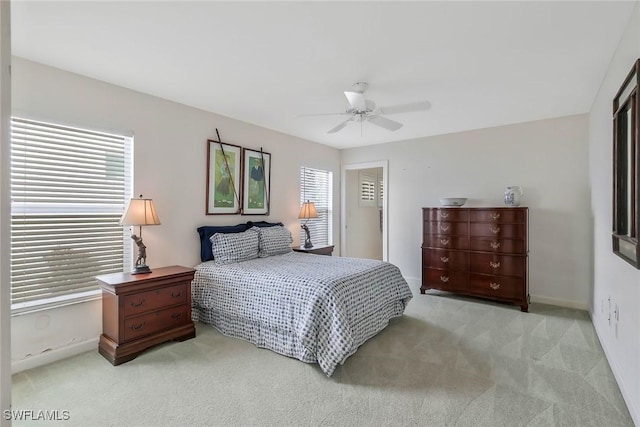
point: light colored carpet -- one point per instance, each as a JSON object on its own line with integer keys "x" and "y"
{"x": 449, "y": 361}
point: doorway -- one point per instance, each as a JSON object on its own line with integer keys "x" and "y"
{"x": 364, "y": 210}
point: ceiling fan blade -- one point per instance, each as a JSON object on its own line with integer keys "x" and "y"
{"x": 356, "y": 100}
{"x": 384, "y": 122}
{"x": 324, "y": 114}
{"x": 406, "y": 108}
{"x": 340, "y": 126}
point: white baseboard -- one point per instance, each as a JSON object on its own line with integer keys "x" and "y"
{"x": 51, "y": 356}
{"x": 417, "y": 282}
{"x": 633, "y": 410}
{"x": 580, "y": 305}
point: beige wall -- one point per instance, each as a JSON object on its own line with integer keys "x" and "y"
{"x": 548, "y": 158}
{"x": 169, "y": 166}
{"x": 614, "y": 279}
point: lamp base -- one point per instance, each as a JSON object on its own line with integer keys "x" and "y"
{"x": 141, "y": 269}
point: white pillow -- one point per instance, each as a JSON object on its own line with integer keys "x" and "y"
{"x": 274, "y": 240}
{"x": 228, "y": 248}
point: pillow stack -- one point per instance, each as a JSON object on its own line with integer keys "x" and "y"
{"x": 255, "y": 242}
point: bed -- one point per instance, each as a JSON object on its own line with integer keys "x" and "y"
{"x": 317, "y": 309}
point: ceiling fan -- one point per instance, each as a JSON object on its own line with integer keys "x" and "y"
{"x": 361, "y": 110}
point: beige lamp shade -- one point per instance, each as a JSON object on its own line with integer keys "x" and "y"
{"x": 140, "y": 212}
{"x": 308, "y": 210}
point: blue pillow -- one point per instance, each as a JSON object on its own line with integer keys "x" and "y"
{"x": 262, "y": 224}
{"x": 205, "y": 232}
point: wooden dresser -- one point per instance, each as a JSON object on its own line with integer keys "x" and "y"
{"x": 480, "y": 252}
{"x": 142, "y": 310}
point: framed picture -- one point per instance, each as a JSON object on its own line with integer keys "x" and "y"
{"x": 223, "y": 178}
{"x": 257, "y": 182}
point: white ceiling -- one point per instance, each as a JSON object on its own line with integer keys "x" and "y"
{"x": 479, "y": 64}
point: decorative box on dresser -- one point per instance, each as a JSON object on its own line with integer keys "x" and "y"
{"x": 480, "y": 252}
{"x": 142, "y": 310}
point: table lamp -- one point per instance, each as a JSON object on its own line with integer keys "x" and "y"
{"x": 140, "y": 212}
{"x": 308, "y": 210}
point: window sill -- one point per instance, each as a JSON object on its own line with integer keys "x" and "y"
{"x": 48, "y": 304}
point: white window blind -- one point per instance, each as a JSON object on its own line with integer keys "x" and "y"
{"x": 316, "y": 186}
{"x": 68, "y": 191}
{"x": 367, "y": 189}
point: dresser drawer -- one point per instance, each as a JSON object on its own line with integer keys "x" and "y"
{"x": 502, "y": 265}
{"x": 453, "y": 215}
{"x": 497, "y": 286}
{"x": 455, "y": 281}
{"x": 492, "y": 244}
{"x": 446, "y": 242}
{"x": 497, "y": 230}
{"x": 447, "y": 228}
{"x": 444, "y": 259}
{"x": 504, "y": 216}
{"x": 157, "y": 298}
{"x": 153, "y": 322}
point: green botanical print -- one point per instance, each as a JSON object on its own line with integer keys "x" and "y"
{"x": 256, "y": 185}
{"x": 224, "y": 196}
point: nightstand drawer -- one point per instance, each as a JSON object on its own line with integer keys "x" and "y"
{"x": 157, "y": 298}
{"x": 153, "y": 322}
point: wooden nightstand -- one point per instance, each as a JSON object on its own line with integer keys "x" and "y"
{"x": 140, "y": 311}
{"x": 317, "y": 250}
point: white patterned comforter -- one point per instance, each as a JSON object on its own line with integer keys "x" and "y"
{"x": 311, "y": 307}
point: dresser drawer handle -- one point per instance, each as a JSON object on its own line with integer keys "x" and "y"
{"x": 137, "y": 327}
{"x": 494, "y": 264}
{"x": 133, "y": 304}
{"x": 176, "y": 316}
{"x": 444, "y": 214}
{"x": 444, "y": 279}
{"x": 178, "y": 295}
{"x": 444, "y": 259}
{"x": 495, "y": 245}
{"x": 494, "y": 286}
{"x": 495, "y": 230}
{"x": 444, "y": 242}
{"x": 445, "y": 228}
{"x": 495, "y": 215}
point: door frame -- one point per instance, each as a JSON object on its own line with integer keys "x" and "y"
{"x": 384, "y": 164}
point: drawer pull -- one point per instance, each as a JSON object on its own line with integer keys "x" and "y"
{"x": 444, "y": 279}
{"x": 494, "y": 264}
{"x": 494, "y": 286}
{"x": 495, "y": 215}
{"x": 176, "y": 316}
{"x": 137, "y": 327}
{"x": 445, "y": 228}
{"x": 495, "y": 230}
{"x": 133, "y": 304}
{"x": 444, "y": 242}
{"x": 444, "y": 259}
{"x": 495, "y": 245}
{"x": 178, "y": 295}
{"x": 444, "y": 214}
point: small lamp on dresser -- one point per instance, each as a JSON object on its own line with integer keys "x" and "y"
{"x": 308, "y": 210}
{"x": 140, "y": 212}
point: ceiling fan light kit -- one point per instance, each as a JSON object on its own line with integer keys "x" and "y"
{"x": 362, "y": 109}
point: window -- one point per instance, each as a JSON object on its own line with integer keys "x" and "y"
{"x": 626, "y": 178}
{"x": 316, "y": 186}
{"x": 367, "y": 184}
{"x": 371, "y": 191}
{"x": 68, "y": 192}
